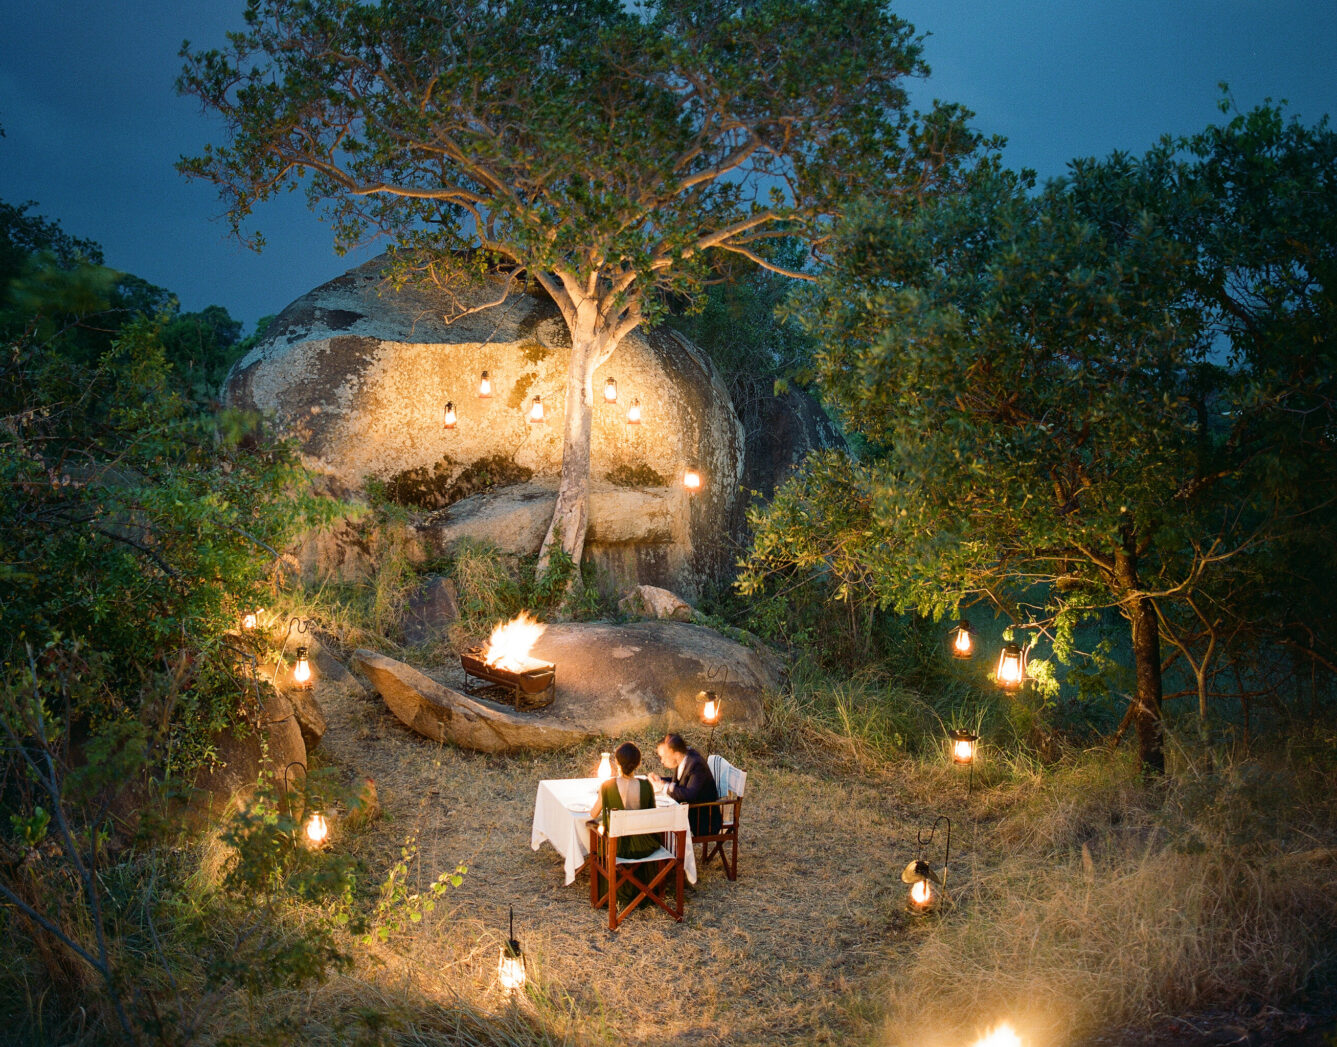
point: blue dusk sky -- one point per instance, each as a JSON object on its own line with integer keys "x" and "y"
{"x": 93, "y": 124}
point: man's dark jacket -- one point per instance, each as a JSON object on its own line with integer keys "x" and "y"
{"x": 694, "y": 783}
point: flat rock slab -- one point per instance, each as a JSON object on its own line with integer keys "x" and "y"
{"x": 615, "y": 679}
{"x": 445, "y": 715}
{"x": 612, "y": 680}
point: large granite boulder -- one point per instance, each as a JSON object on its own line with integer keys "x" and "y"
{"x": 782, "y": 429}
{"x": 611, "y": 680}
{"x": 360, "y": 374}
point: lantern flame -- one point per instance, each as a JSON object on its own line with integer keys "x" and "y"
{"x": 710, "y": 714}
{"x": 508, "y": 646}
{"x": 605, "y": 770}
{"x": 962, "y": 643}
{"x": 317, "y": 829}
{"x": 301, "y": 671}
{"x": 1003, "y": 1036}
{"x": 921, "y": 893}
{"x": 963, "y": 750}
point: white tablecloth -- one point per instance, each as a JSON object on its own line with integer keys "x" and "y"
{"x": 560, "y": 810}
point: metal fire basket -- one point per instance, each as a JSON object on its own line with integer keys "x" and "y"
{"x": 533, "y": 687}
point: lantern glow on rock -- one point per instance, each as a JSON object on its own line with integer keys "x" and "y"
{"x": 484, "y": 386}
{"x": 451, "y": 419}
{"x": 535, "y": 415}
{"x": 963, "y": 640}
{"x": 301, "y": 671}
{"x": 605, "y": 770}
{"x": 634, "y": 412}
{"x": 610, "y": 391}
{"x": 1011, "y": 667}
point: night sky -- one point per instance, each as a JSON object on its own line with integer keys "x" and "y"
{"x": 93, "y": 124}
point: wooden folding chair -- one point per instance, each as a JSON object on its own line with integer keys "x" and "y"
{"x": 666, "y": 863}
{"x": 729, "y": 785}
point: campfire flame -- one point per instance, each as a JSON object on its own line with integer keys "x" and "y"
{"x": 508, "y": 647}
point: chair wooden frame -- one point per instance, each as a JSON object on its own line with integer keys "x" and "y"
{"x": 669, "y": 869}
{"x": 714, "y": 844}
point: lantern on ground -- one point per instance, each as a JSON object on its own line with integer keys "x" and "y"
{"x": 484, "y": 387}
{"x": 1011, "y": 667}
{"x": 610, "y": 391}
{"x": 301, "y": 670}
{"x": 691, "y": 479}
{"x": 963, "y": 640}
{"x": 451, "y": 419}
{"x": 963, "y": 746}
{"x": 922, "y": 897}
{"x": 535, "y": 415}
{"x": 605, "y": 770}
{"x": 634, "y": 412}
{"x": 511, "y": 965}
{"x": 317, "y": 830}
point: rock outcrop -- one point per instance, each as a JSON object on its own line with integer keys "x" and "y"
{"x": 361, "y": 378}
{"x": 611, "y": 680}
{"x": 650, "y": 601}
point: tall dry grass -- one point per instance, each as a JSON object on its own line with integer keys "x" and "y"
{"x": 1110, "y": 903}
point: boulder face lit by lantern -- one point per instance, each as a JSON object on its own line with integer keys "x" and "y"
{"x": 1011, "y": 672}
{"x": 503, "y": 669}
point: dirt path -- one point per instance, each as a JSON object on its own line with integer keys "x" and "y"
{"x": 785, "y": 954}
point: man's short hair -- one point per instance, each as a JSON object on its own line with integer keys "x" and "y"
{"x": 674, "y": 743}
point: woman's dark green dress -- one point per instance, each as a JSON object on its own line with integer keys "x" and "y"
{"x": 629, "y": 846}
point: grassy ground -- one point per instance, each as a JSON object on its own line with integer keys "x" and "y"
{"x": 1083, "y": 901}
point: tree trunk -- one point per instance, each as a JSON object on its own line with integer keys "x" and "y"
{"x": 589, "y": 348}
{"x": 1141, "y": 614}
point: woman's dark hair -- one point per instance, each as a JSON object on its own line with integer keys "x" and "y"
{"x": 628, "y": 757}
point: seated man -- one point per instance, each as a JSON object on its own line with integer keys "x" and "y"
{"x": 691, "y": 782}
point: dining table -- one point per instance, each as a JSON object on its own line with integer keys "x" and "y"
{"x": 561, "y": 809}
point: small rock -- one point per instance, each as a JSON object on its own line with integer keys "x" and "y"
{"x": 310, "y": 718}
{"x": 650, "y": 601}
{"x": 432, "y": 610}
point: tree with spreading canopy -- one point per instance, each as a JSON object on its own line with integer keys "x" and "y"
{"x": 1117, "y": 393}
{"x": 610, "y": 153}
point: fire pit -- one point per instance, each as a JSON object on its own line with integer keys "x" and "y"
{"x": 503, "y": 670}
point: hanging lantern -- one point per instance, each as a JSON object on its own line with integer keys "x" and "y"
{"x": 922, "y": 897}
{"x": 451, "y": 419}
{"x": 250, "y": 621}
{"x": 605, "y": 770}
{"x": 317, "y": 830}
{"x": 1011, "y": 667}
{"x": 691, "y": 479}
{"x": 634, "y": 412}
{"x": 963, "y": 640}
{"x": 511, "y": 965}
{"x": 484, "y": 386}
{"x": 301, "y": 671}
{"x": 710, "y": 711}
{"x": 963, "y": 746}
{"x": 610, "y": 391}
{"x": 535, "y": 415}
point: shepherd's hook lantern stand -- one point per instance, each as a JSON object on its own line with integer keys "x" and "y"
{"x": 924, "y": 897}
{"x": 303, "y": 627}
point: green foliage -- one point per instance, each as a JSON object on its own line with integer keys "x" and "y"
{"x": 399, "y": 906}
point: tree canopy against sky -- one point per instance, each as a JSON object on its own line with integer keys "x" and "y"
{"x": 1117, "y": 393}
{"x": 605, "y": 151}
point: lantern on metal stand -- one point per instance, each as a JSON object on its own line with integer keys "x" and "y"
{"x": 301, "y": 670}
{"x": 711, "y": 708}
{"x": 928, "y": 890}
{"x": 1011, "y": 672}
{"x": 511, "y": 965}
{"x": 963, "y": 751}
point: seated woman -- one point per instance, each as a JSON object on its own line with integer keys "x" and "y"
{"x": 624, "y": 792}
